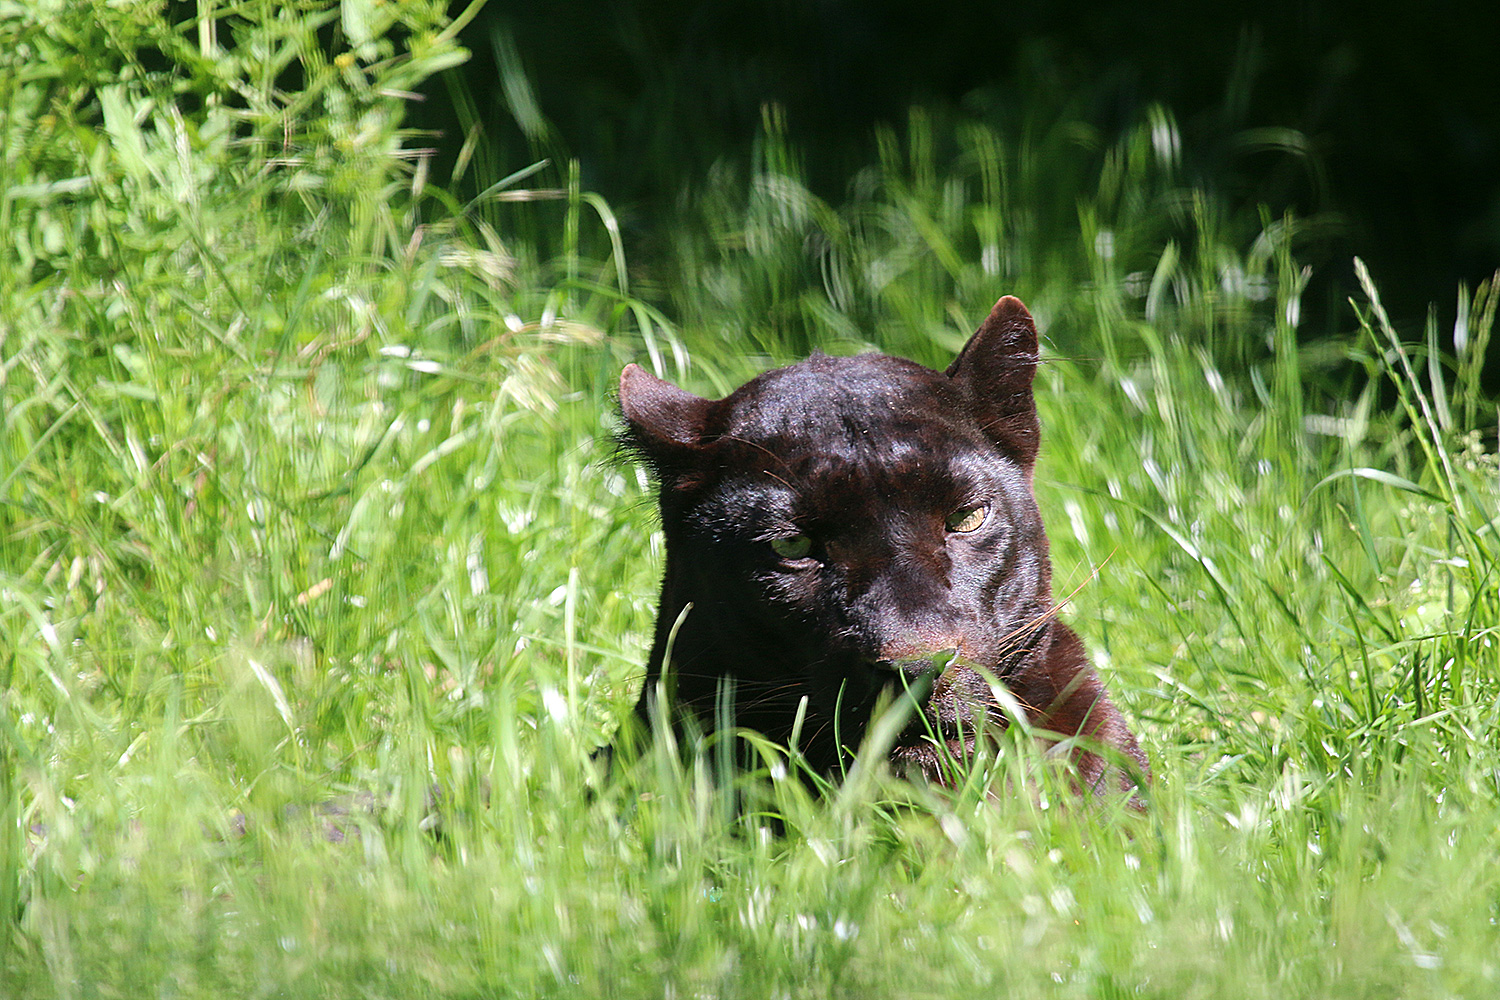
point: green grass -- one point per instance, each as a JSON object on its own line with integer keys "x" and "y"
{"x": 307, "y": 497}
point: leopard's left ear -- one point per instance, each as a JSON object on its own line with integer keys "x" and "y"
{"x": 994, "y": 372}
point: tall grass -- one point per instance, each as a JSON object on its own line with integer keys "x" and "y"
{"x": 307, "y": 506}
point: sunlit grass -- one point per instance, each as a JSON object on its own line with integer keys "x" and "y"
{"x": 308, "y": 505}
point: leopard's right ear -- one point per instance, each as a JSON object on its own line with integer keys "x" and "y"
{"x": 663, "y": 424}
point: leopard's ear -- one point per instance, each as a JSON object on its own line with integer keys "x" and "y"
{"x": 663, "y": 424}
{"x": 994, "y": 372}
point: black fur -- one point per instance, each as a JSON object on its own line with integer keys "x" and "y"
{"x": 872, "y": 459}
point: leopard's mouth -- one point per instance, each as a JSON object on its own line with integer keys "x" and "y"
{"x": 951, "y": 702}
{"x": 958, "y": 725}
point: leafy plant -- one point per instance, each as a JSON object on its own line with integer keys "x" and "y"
{"x": 307, "y": 507}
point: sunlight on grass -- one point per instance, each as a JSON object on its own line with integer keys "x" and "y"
{"x": 320, "y": 585}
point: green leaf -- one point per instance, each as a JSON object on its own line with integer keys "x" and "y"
{"x": 1379, "y": 476}
{"x": 127, "y": 141}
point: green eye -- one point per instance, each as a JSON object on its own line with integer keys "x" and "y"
{"x": 795, "y": 547}
{"x": 966, "y": 520}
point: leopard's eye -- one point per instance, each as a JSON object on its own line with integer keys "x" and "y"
{"x": 967, "y": 520}
{"x": 795, "y": 547}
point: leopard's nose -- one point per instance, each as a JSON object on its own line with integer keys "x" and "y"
{"x": 915, "y": 668}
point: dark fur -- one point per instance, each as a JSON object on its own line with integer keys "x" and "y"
{"x": 867, "y": 456}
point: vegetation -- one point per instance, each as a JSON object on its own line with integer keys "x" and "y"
{"x": 308, "y": 505}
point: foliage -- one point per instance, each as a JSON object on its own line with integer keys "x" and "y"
{"x": 307, "y": 506}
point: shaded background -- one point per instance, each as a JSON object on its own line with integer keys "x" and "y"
{"x": 1382, "y": 118}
